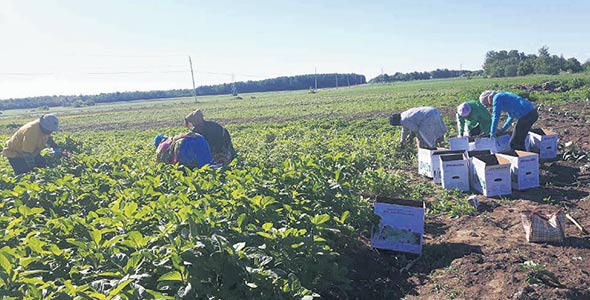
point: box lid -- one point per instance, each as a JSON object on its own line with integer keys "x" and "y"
{"x": 397, "y": 201}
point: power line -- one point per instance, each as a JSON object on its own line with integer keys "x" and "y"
{"x": 130, "y": 72}
{"x": 25, "y": 74}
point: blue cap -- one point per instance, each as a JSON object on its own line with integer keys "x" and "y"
{"x": 158, "y": 139}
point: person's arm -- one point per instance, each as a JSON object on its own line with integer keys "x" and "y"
{"x": 404, "y": 135}
{"x": 460, "y": 125}
{"x": 508, "y": 122}
{"x": 497, "y": 112}
{"x": 51, "y": 143}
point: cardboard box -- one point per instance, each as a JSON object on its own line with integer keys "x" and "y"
{"x": 492, "y": 175}
{"x": 544, "y": 142}
{"x": 459, "y": 143}
{"x": 401, "y": 227}
{"x": 524, "y": 169}
{"x": 483, "y": 144}
{"x": 428, "y": 161}
{"x": 470, "y": 156}
{"x": 503, "y": 143}
{"x": 454, "y": 172}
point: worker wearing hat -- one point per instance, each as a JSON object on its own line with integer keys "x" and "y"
{"x": 473, "y": 115}
{"x": 222, "y": 149}
{"x": 23, "y": 149}
{"x": 517, "y": 108}
{"x": 423, "y": 122}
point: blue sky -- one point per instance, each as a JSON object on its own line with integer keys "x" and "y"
{"x": 85, "y": 47}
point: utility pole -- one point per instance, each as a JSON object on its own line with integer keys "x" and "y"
{"x": 347, "y": 80}
{"x": 382, "y": 79}
{"x": 193, "y": 76}
{"x": 336, "y": 80}
{"x": 233, "y": 85}
{"x": 315, "y": 78}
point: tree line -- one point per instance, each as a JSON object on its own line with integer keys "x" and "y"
{"x": 514, "y": 63}
{"x": 284, "y": 83}
{"x": 438, "y": 73}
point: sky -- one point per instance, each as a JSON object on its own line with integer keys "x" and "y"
{"x": 68, "y": 47}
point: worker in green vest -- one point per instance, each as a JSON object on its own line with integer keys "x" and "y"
{"x": 473, "y": 119}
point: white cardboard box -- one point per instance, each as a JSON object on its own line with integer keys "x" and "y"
{"x": 503, "y": 143}
{"x": 454, "y": 172}
{"x": 428, "y": 161}
{"x": 544, "y": 142}
{"x": 492, "y": 175}
{"x": 459, "y": 143}
{"x": 524, "y": 169}
{"x": 470, "y": 156}
{"x": 483, "y": 144}
{"x": 401, "y": 226}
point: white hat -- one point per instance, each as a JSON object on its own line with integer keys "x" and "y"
{"x": 484, "y": 98}
{"x": 49, "y": 122}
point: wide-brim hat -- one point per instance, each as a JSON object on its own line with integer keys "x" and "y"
{"x": 49, "y": 122}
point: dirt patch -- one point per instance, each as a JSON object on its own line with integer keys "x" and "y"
{"x": 548, "y": 86}
{"x": 486, "y": 256}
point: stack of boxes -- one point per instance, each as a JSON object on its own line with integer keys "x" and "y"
{"x": 487, "y": 165}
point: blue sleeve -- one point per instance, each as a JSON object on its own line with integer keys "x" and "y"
{"x": 204, "y": 153}
{"x": 495, "y": 116}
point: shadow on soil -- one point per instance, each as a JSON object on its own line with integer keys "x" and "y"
{"x": 550, "y": 195}
{"x": 438, "y": 256}
{"x": 435, "y": 228}
{"x": 577, "y": 242}
{"x": 373, "y": 274}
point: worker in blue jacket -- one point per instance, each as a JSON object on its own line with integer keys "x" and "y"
{"x": 517, "y": 108}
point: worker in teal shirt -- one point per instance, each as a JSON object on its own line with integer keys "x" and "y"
{"x": 517, "y": 108}
{"x": 475, "y": 116}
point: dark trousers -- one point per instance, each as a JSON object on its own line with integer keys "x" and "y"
{"x": 475, "y": 131}
{"x": 20, "y": 166}
{"x": 523, "y": 126}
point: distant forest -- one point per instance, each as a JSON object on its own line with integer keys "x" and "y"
{"x": 285, "y": 83}
{"x": 438, "y": 73}
{"x": 514, "y": 63}
{"x": 501, "y": 64}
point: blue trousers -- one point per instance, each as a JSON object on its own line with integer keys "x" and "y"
{"x": 20, "y": 166}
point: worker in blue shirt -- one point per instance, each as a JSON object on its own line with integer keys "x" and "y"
{"x": 517, "y": 108}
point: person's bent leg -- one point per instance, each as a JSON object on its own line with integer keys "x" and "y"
{"x": 40, "y": 161}
{"x": 19, "y": 165}
{"x": 523, "y": 126}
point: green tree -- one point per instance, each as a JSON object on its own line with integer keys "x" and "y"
{"x": 547, "y": 64}
{"x": 573, "y": 65}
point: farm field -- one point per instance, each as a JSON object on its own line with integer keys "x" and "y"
{"x": 291, "y": 218}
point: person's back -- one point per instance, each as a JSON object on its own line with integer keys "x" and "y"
{"x": 476, "y": 116}
{"x": 517, "y": 108}
{"x": 425, "y": 122}
{"x": 190, "y": 150}
{"x": 413, "y": 117}
{"x": 27, "y": 139}
{"x": 222, "y": 149}
{"x": 214, "y": 133}
{"x": 514, "y": 105}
